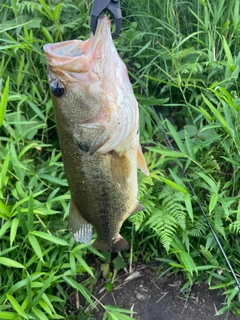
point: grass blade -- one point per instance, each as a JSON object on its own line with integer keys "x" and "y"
{"x": 49, "y": 237}
{"x": 36, "y": 247}
{"x": 4, "y": 100}
{"x": 167, "y": 153}
{"x": 10, "y": 263}
{"x": 177, "y": 139}
{"x": 188, "y": 204}
{"x": 74, "y": 284}
{"x": 8, "y": 315}
{"x": 83, "y": 263}
{"x": 218, "y": 116}
{"x": 173, "y": 185}
{"x": 13, "y": 232}
{"x": 16, "y": 306}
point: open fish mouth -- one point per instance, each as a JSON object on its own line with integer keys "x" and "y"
{"x": 73, "y": 55}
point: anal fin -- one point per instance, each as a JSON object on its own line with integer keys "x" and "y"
{"x": 139, "y": 207}
{"x": 141, "y": 162}
{"x": 80, "y": 228}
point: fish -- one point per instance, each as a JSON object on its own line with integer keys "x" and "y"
{"x": 97, "y": 121}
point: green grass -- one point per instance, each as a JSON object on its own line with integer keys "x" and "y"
{"x": 183, "y": 60}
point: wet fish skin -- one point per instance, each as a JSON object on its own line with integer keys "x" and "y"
{"x": 97, "y": 121}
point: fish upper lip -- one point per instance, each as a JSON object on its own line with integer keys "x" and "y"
{"x": 86, "y": 47}
{"x": 76, "y": 55}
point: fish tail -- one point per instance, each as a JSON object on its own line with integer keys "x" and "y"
{"x": 119, "y": 244}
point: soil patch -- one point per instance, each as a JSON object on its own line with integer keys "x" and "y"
{"x": 153, "y": 298}
{"x": 161, "y": 299}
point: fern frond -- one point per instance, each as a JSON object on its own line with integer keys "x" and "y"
{"x": 138, "y": 219}
{"x": 148, "y": 187}
{"x": 164, "y": 225}
{"x": 192, "y": 68}
{"x": 171, "y": 203}
{"x": 197, "y": 228}
{"x": 26, "y": 6}
{"x": 180, "y": 215}
{"x": 186, "y": 53}
{"x": 218, "y": 221}
{"x": 169, "y": 214}
{"x": 234, "y": 227}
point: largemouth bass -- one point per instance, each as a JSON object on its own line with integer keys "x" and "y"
{"x": 98, "y": 126}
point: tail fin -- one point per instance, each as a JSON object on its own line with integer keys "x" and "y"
{"x": 119, "y": 244}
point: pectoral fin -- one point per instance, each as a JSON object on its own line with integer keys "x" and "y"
{"x": 141, "y": 162}
{"x": 120, "y": 166}
{"x": 80, "y": 228}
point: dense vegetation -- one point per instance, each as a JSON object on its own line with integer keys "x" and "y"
{"x": 183, "y": 59}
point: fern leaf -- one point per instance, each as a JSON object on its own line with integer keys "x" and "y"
{"x": 234, "y": 227}
{"x": 165, "y": 227}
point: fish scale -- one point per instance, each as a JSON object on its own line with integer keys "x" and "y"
{"x": 97, "y": 120}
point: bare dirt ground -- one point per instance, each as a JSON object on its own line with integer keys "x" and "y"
{"x": 153, "y": 298}
{"x": 161, "y": 299}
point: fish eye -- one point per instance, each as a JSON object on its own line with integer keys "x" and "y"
{"x": 57, "y": 89}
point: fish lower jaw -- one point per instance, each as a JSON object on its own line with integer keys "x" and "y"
{"x": 118, "y": 244}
